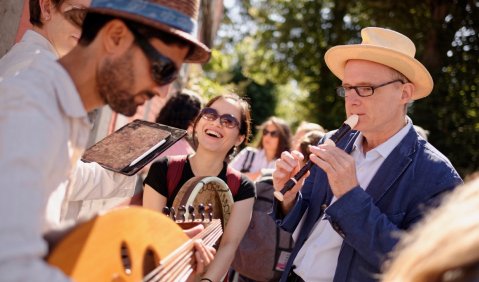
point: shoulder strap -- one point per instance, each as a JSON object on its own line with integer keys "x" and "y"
{"x": 233, "y": 179}
{"x": 243, "y": 167}
{"x": 174, "y": 172}
{"x": 253, "y": 154}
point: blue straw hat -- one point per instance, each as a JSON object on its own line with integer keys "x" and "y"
{"x": 177, "y": 17}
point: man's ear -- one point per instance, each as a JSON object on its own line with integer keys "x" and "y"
{"x": 46, "y": 10}
{"x": 116, "y": 37}
{"x": 407, "y": 92}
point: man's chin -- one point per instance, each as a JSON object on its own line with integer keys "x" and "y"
{"x": 126, "y": 112}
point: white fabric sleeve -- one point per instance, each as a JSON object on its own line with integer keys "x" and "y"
{"x": 90, "y": 181}
{"x": 31, "y": 150}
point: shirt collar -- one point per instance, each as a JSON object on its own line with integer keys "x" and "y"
{"x": 387, "y": 147}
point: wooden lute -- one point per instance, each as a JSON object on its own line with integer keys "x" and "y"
{"x": 130, "y": 244}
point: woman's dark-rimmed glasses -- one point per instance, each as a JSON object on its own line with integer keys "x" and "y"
{"x": 363, "y": 91}
{"x": 226, "y": 120}
{"x": 163, "y": 69}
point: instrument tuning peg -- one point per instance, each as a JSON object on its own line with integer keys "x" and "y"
{"x": 210, "y": 211}
{"x": 181, "y": 213}
{"x": 166, "y": 211}
{"x": 191, "y": 211}
{"x": 201, "y": 210}
{"x": 173, "y": 213}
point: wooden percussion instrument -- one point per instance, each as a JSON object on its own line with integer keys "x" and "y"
{"x": 206, "y": 190}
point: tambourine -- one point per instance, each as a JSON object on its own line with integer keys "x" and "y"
{"x": 206, "y": 190}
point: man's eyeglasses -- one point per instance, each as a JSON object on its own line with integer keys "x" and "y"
{"x": 363, "y": 91}
{"x": 226, "y": 120}
{"x": 163, "y": 69}
{"x": 272, "y": 133}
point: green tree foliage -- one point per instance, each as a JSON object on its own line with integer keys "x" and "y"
{"x": 286, "y": 40}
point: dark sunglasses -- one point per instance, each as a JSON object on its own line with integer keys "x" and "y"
{"x": 76, "y": 15}
{"x": 163, "y": 69}
{"x": 273, "y": 133}
{"x": 226, "y": 120}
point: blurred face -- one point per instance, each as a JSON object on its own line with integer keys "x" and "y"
{"x": 60, "y": 31}
{"x": 128, "y": 81}
{"x": 215, "y": 135}
{"x": 297, "y": 139}
{"x": 383, "y": 112}
{"x": 270, "y": 137}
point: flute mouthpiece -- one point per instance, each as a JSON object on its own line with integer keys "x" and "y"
{"x": 352, "y": 121}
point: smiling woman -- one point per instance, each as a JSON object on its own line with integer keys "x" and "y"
{"x": 222, "y": 125}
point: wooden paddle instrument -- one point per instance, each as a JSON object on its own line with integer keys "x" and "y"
{"x": 130, "y": 244}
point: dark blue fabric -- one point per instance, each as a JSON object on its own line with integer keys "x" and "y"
{"x": 412, "y": 177}
{"x": 151, "y": 11}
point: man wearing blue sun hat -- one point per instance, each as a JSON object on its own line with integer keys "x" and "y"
{"x": 127, "y": 51}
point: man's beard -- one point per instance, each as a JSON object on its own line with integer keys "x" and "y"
{"x": 115, "y": 80}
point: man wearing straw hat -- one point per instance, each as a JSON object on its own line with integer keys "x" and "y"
{"x": 377, "y": 180}
{"x": 128, "y": 50}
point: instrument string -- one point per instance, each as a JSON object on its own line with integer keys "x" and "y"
{"x": 178, "y": 265}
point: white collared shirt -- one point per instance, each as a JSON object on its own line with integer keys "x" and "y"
{"x": 318, "y": 257}
{"x": 92, "y": 180}
{"x": 44, "y": 129}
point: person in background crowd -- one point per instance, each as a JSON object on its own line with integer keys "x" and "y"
{"x": 311, "y": 138}
{"x": 223, "y": 124}
{"x": 56, "y": 28}
{"x": 125, "y": 53}
{"x": 180, "y": 111}
{"x": 444, "y": 245}
{"x": 303, "y": 128}
{"x": 377, "y": 180}
{"x": 274, "y": 137}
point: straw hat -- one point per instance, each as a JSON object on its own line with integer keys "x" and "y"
{"x": 178, "y": 17}
{"x": 387, "y": 47}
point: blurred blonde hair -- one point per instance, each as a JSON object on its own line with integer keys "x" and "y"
{"x": 444, "y": 246}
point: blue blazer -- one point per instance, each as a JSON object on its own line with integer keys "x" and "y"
{"x": 411, "y": 178}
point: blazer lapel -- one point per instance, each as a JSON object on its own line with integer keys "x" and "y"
{"x": 319, "y": 198}
{"x": 394, "y": 165}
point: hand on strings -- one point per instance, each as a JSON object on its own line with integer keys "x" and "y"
{"x": 204, "y": 255}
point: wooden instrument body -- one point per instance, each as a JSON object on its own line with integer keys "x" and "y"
{"x": 93, "y": 251}
{"x": 206, "y": 190}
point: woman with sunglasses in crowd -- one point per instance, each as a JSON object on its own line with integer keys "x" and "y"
{"x": 221, "y": 126}
{"x": 274, "y": 137}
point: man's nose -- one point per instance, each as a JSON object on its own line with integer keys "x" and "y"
{"x": 351, "y": 97}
